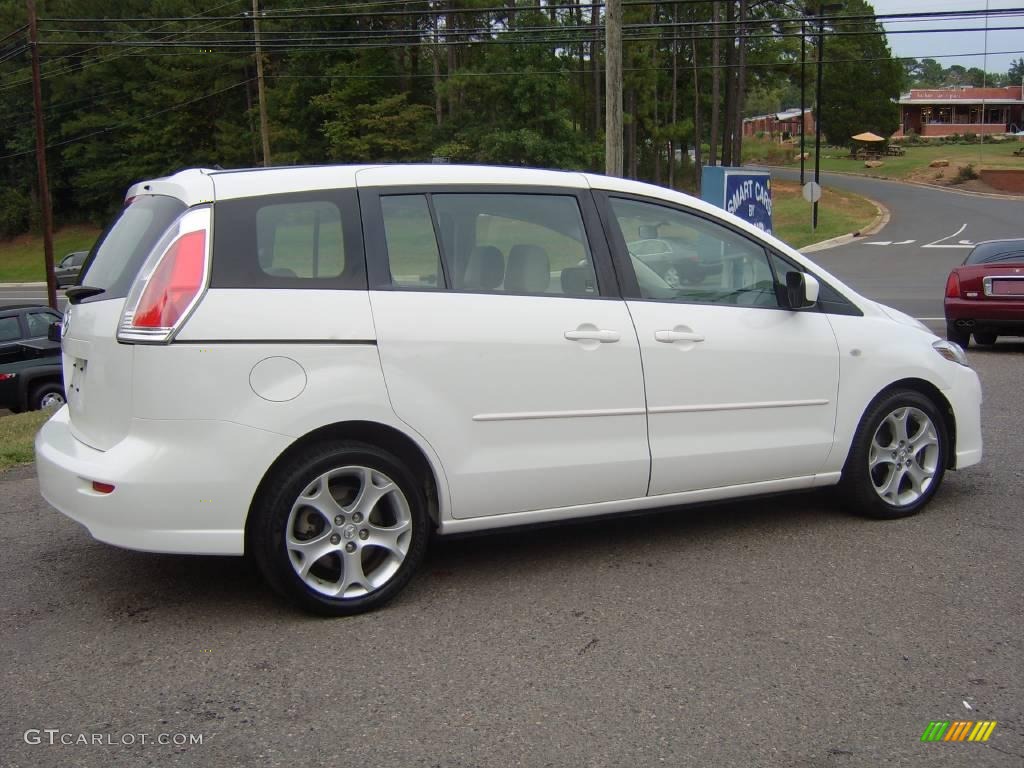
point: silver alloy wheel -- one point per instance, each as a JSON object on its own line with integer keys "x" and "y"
{"x": 904, "y": 456}
{"x": 349, "y": 531}
{"x": 51, "y": 400}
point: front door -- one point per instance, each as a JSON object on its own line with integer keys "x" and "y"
{"x": 739, "y": 389}
{"x": 504, "y": 345}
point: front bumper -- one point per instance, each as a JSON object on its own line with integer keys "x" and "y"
{"x": 965, "y": 397}
{"x": 177, "y": 488}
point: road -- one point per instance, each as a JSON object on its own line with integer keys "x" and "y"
{"x": 777, "y": 632}
{"x": 28, "y": 295}
{"x": 931, "y": 230}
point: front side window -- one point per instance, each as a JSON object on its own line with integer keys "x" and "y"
{"x": 679, "y": 256}
{"x": 39, "y": 323}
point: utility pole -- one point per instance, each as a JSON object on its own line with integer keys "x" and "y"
{"x": 260, "y": 87}
{"x": 817, "y": 113}
{"x": 44, "y": 187}
{"x": 613, "y": 88}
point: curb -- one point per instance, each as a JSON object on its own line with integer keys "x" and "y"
{"x": 881, "y": 219}
{"x": 925, "y": 184}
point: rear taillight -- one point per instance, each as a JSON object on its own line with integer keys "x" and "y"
{"x": 953, "y": 286}
{"x": 8, "y": 376}
{"x": 170, "y": 282}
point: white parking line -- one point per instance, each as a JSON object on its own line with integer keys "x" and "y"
{"x": 959, "y": 243}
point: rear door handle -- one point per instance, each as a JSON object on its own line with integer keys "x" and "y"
{"x": 670, "y": 336}
{"x": 605, "y": 337}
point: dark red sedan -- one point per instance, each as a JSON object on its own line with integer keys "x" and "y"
{"x": 985, "y": 294}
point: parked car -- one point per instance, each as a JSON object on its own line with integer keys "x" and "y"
{"x": 319, "y": 367}
{"x": 30, "y": 365}
{"x": 985, "y": 294}
{"x": 67, "y": 270}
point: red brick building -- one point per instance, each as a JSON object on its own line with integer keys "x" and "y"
{"x": 943, "y": 111}
{"x": 779, "y": 126}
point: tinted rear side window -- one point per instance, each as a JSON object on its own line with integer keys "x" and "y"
{"x": 117, "y": 256}
{"x": 302, "y": 240}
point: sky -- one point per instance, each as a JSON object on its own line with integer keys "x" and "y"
{"x": 923, "y": 45}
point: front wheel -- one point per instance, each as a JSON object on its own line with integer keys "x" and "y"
{"x": 898, "y": 456}
{"x": 340, "y": 529}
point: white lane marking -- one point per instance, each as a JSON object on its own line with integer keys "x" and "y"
{"x": 890, "y": 242}
{"x": 958, "y": 244}
{"x": 905, "y": 242}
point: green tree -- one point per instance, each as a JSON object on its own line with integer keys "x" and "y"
{"x": 862, "y": 81}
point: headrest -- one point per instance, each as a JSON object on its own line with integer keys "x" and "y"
{"x": 485, "y": 269}
{"x": 529, "y": 270}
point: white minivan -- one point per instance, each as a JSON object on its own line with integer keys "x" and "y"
{"x": 322, "y": 367}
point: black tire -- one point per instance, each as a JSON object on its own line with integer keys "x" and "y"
{"x": 858, "y": 489}
{"x": 985, "y": 338}
{"x": 46, "y": 395}
{"x": 272, "y": 515}
{"x": 958, "y": 335}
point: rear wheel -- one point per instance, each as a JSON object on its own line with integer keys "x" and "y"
{"x": 957, "y": 335}
{"x": 49, "y": 396}
{"x": 340, "y": 529}
{"x": 985, "y": 338}
{"x": 898, "y": 456}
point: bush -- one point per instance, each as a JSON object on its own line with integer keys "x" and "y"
{"x": 969, "y": 138}
{"x": 966, "y": 173}
{"x": 14, "y": 212}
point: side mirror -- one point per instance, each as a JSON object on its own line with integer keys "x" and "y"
{"x": 53, "y": 332}
{"x": 801, "y": 290}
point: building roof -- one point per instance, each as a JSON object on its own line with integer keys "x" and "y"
{"x": 1011, "y": 94}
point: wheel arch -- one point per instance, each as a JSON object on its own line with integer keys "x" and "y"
{"x": 933, "y": 393}
{"x": 374, "y": 433}
{"x": 34, "y": 378}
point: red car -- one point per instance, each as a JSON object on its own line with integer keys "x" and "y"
{"x": 985, "y": 294}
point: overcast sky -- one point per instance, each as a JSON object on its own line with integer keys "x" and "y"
{"x": 922, "y": 45}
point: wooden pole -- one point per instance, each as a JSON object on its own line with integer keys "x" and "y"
{"x": 613, "y": 88}
{"x": 260, "y": 85}
{"x": 44, "y": 186}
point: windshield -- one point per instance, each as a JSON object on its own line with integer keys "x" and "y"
{"x": 989, "y": 253}
{"x": 117, "y": 256}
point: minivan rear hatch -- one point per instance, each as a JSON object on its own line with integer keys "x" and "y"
{"x": 98, "y": 368}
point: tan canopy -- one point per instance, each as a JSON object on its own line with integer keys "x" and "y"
{"x": 867, "y": 137}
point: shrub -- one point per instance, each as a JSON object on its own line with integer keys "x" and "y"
{"x": 14, "y": 212}
{"x": 965, "y": 173}
{"x": 969, "y": 138}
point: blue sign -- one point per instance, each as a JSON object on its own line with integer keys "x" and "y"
{"x": 747, "y": 194}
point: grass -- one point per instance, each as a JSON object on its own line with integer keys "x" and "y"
{"x": 913, "y": 166}
{"x": 21, "y": 258}
{"x": 17, "y": 434}
{"x": 839, "y": 213}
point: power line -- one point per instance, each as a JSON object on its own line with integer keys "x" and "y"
{"x": 114, "y": 127}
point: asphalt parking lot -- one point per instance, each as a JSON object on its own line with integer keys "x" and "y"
{"x": 774, "y": 632}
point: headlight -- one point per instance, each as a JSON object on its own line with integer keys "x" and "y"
{"x": 950, "y": 351}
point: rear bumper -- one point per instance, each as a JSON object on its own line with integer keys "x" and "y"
{"x": 990, "y": 312}
{"x": 965, "y": 397}
{"x": 176, "y": 487}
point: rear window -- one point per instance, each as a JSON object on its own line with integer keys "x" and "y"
{"x": 1007, "y": 251}
{"x": 117, "y": 256}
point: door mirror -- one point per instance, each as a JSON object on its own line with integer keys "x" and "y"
{"x": 801, "y": 290}
{"x": 53, "y": 332}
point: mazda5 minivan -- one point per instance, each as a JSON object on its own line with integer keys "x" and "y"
{"x": 322, "y": 367}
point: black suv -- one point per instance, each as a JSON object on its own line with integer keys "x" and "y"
{"x": 30, "y": 362}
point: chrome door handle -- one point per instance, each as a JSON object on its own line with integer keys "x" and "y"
{"x": 670, "y": 336}
{"x": 605, "y": 337}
